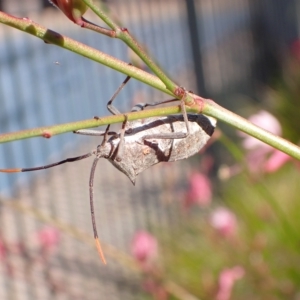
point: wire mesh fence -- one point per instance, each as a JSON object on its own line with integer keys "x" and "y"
{"x": 46, "y": 231}
{"x": 47, "y": 239}
{"x": 46, "y": 248}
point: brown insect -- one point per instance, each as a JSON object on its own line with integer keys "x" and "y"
{"x": 141, "y": 144}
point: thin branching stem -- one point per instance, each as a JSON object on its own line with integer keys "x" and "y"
{"x": 50, "y": 131}
{"x": 213, "y": 109}
{"x": 196, "y": 105}
{"x": 124, "y": 35}
{"x": 52, "y": 37}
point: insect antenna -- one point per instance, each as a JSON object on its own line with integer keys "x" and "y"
{"x": 70, "y": 159}
{"x": 91, "y": 189}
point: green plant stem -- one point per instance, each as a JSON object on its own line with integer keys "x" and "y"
{"x": 208, "y": 107}
{"x": 50, "y": 131}
{"x": 124, "y": 35}
{"x": 195, "y": 103}
{"x": 57, "y": 39}
{"x": 213, "y": 109}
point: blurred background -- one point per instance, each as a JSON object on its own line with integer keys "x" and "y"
{"x": 220, "y": 225}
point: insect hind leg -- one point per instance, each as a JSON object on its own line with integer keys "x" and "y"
{"x": 141, "y": 106}
{"x": 174, "y": 135}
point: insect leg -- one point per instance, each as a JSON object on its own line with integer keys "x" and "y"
{"x": 92, "y": 132}
{"x": 113, "y": 110}
{"x": 110, "y": 107}
{"x": 121, "y": 142}
{"x": 71, "y": 159}
{"x": 141, "y": 106}
{"x": 91, "y": 189}
{"x": 185, "y": 117}
{"x": 174, "y": 135}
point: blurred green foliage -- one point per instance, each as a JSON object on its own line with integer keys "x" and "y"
{"x": 284, "y": 96}
{"x": 267, "y": 207}
{"x": 266, "y": 245}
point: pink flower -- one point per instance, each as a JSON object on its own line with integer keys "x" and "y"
{"x": 48, "y": 237}
{"x": 227, "y": 279}
{"x": 276, "y": 161}
{"x": 200, "y": 191}
{"x": 3, "y": 250}
{"x": 207, "y": 163}
{"x": 155, "y": 288}
{"x": 262, "y": 157}
{"x": 144, "y": 247}
{"x": 73, "y": 9}
{"x": 224, "y": 221}
{"x": 266, "y": 121}
{"x": 256, "y": 158}
{"x": 295, "y": 49}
